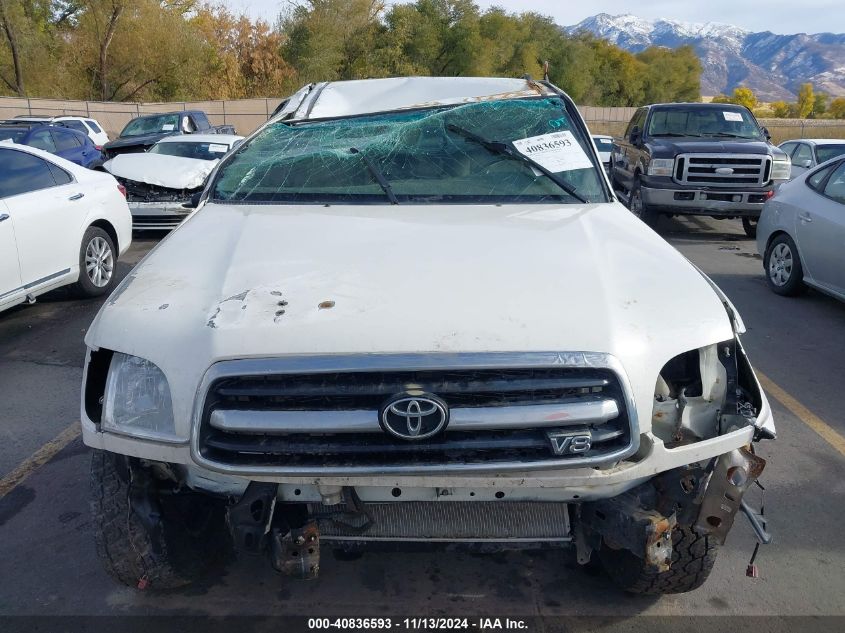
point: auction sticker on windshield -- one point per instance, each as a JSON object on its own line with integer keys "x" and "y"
{"x": 557, "y": 152}
{"x": 218, "y": 148}
{"x": 733, "y": 116}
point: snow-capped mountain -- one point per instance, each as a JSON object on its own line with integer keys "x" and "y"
{"x": 773, "y": 66}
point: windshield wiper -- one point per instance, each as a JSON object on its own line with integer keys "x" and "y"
{"x": 376, "y": 172}
{"x": 504, "y": 149}
{"x": 675, "y": 134}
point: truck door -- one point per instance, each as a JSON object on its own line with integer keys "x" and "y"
{"x": 626, "y": 154}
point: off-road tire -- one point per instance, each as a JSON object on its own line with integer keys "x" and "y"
{"x": 693, "y": 556}
{"x": 749, "y": 225}
{"x": 795, "y": 284}
{"x": 127, "y": 550}
{"x": 84, "y": 286}
{"x": 639, "y": 208}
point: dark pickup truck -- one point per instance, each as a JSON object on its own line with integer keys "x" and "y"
{"x": 143, "y": 132}
{"x": 697, "y": 159}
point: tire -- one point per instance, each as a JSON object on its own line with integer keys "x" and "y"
{"x": 693, "y": 557}
{"x": 782, "y": 267}
{"x": 97, "y": 263}
{"x": 638, "y": 206}
{"x": 749, "y": 225}
{"x": 177, "y": 555}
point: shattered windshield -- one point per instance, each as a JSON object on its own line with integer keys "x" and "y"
{"x": 707, "y": 120}
{"x": 185, "y": 149}
{"x": 151, "y": 125}
{"x": 521, "y": 150}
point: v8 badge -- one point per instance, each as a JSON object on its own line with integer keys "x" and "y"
{"x": 570, "y": 442}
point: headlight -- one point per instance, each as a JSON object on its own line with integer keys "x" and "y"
{"x": 137, "y": 399}
{"x": 661, "y": 166}
{"x": 781, "y": 169}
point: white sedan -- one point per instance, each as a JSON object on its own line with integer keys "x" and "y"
{"x": 60, "y": 224}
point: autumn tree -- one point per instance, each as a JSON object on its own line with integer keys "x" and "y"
{"x": 243, "y": 56}
{"x": 780, "y": 109}
{"x": 836, "y": 109}
{"x": 806, "y": 100}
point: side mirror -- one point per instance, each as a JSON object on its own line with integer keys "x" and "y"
{"x": 636, "y": 136}
{"x": 806, "y": 164}
{"x": 766, "y": 134}
{"x": 194, "y": 202}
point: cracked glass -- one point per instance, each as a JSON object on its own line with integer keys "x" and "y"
{"x": 417, "y": 155}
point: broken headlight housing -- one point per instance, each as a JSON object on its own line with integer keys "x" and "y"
{"x": 137, "y": 400}
{"x": 704, "y": 393}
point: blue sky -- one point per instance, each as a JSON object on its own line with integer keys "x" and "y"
{"x": 778, "y": 16}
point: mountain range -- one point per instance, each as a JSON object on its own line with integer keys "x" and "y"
{"x": 772, "y": 65}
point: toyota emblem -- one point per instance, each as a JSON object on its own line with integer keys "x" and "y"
{"x": 414, "y": 417}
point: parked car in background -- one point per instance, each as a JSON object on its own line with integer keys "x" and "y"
{"x": 604, "y": 145}
{"x": 807, "y": 153}
{"x": 162, "y": 180}
{"x": 143, "y": 132}
{"x": 60, "y": 224}
{"x": 88, "y": 126}
{"x": 411, "y": 309}
{"x": 61, "y": 141}
{"x": 801, "y": 234}
{"x": 697, "y": 159}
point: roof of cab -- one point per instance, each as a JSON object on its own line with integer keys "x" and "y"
{"x": 350, "y": 98}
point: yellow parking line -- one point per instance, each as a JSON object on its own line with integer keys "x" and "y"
{"x": 38, "y": 459}
{"x": 801, "y": 412}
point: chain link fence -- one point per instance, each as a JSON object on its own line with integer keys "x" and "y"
{"x": 247, "y": 114}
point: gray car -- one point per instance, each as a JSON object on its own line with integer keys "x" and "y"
{"x": 810, "y": 152}
{"x": 801, "y": 233}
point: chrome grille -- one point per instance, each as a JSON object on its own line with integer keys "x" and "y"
{"x": 723, "y": 170}
{"x": 282, "y": 417}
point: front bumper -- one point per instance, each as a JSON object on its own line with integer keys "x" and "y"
{"x": 705, "y": 201}
{"x": 550, "y": 485}
{"x": 161, "y": 216}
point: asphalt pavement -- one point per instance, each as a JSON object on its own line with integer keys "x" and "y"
{"x": 48, "y": 565}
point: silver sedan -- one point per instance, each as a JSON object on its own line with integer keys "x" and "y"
{"x": 801, "y": 233}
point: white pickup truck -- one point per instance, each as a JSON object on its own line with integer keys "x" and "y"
{"x": 413, "y": 310}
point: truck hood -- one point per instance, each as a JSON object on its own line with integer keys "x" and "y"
{"x": 257, "y": 281}
{"x": 147, "y": 140}
{"x": 711, "y": 145}
{"x": 174, "y": 172}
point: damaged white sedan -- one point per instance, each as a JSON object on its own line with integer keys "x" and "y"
{"x": 160, "y": 182}
{"x": 412, "y": 310}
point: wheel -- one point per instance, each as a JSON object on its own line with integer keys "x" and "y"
{"x": 174, "y": 552}
{"x": 784, "y": 272}
{"x": 638, "y": 206}
{"x": 749, "y": 225}
{"x": 693, "y": 557}
{"x": 96, "y": 263}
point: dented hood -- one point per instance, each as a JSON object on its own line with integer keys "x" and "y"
{"x": 257, "y": 281}
{"x": 173, "y": 172}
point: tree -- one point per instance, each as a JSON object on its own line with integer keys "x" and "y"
{"x": 780, "y": 109}
{"x": 9, "y": 20}
{"x": 806, "y": 100}
{"x": 837, "y": 108}
{"x": 745, "y": 97}
{"x": 819, "y": 105}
